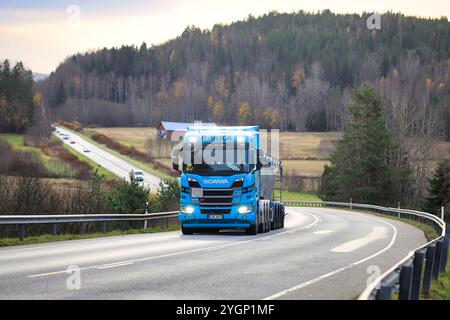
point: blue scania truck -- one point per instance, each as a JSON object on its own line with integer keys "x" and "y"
{"x": 227, "y": 181}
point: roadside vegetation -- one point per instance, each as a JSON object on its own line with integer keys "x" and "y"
{"x": 50, "y": 238}
{"x": 440, "y": 288}
{"x": 33, "y": 195}
{"x": 300, "y": 196}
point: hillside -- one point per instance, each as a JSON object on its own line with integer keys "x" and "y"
{"x": 292, "y": 71}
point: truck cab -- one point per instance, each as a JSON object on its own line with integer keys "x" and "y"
{"x": 226, "y": 181}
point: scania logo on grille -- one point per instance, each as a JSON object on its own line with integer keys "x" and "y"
{"x": 215, "y": 181}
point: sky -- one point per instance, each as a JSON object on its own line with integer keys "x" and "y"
{"x": 43, "y": 33}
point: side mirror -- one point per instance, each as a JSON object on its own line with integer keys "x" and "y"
{"x": 176, "y": 152}
{"x": 259, "y": 163}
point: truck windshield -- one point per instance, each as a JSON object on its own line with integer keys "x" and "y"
{"x": 218, "y": 159}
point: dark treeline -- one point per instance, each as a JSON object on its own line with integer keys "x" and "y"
{"x": 16, "y": 97}
{"x": 292, "y": 71}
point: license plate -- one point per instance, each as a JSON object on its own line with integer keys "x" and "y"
{"x": 215, "y": 216}
{"x": 197, "y": 192}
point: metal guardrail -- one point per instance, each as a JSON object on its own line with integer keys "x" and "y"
{"x": 408, "y": 276}
{"x": 55, "y": 220}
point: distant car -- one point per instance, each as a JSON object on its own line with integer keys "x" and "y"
{"x": 137, "y": 175}
{"x": 72, "y": 141}
{"x": 86, "y": 149}
{"x": 65, "y": 136}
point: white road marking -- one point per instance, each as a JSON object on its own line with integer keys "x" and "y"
{"x": 316, "y": 220}
{"x": 323, "y": 232}
{"x": 377, "y": 233}
{"x": 114, "y": 265}
{"x": 332, "y": 273}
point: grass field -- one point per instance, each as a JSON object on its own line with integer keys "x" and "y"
{"x": 54, "y": 165}
{"x": 300, "y": 196}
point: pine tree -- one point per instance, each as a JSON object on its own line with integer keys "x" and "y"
{"x": 361, "y": 167}
{"x": 439, "y": 189}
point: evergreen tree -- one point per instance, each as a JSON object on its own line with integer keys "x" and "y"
{"x": 362, "y": 166}
{"x": 439, "y": 189}
{"x": 128, "y": 197}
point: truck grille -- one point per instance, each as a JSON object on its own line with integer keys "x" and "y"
{"x": 218, "y": 201}
{"x": 215, "y": 210}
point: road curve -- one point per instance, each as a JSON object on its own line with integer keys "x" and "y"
{"x": 320, "y": 254}
{"x": 114, "y": 164}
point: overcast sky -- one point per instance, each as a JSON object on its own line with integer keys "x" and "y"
{"x": 43, "y": 33}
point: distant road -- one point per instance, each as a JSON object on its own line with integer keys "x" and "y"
{"x": 107, "y": 160}
{"x": 321, "y": 254}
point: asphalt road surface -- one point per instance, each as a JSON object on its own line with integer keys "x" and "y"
{"x": 320, "y": 254}
{"x": 112, "y": 163}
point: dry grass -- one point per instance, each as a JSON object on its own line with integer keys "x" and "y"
{"x": 132, "y": 137}
{"x": 304, "y": 167}
{"x": 306, "y": 145}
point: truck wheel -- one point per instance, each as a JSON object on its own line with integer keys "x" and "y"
{"x": 252, "y": 230}
{"x": 187, "y": 231}
{"x": 282, "y": 216}
{"x": 273, "y": 215}
{"x": 268, "y": 216}
{"x": 276, "y": 208}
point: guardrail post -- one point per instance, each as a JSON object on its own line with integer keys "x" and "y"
{"x": 406, "y": 275}
{"x": 82, "y": 228}
{"x": 417, "y": 274}
{"x": 428, "y": 269}
{"x": 21, "y": 232}
{"x": 445, "y": 253}
{"x": 351, "y": 204}
{"x": 104, "y": 227}
{"x": 167, "y": 222}
{"x": 386, "y": 287}
{"x": 145, "y": 224}
{"x": 55, "y": 229}
{"x": 385, "y": 292}
{"x": 438, "y": 259}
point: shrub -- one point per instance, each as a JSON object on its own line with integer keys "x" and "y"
{"x": 20, "y": 163}
{"x": 128, "y": 197}
{"x": 167, "y": 198}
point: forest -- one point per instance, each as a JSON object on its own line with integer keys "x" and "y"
{"x": 16, "y": 97}
{"x": 293, "y": 71}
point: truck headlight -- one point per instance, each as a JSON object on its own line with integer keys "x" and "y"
{"x": 245, "y": 209}
{"x": 187, "y": 209}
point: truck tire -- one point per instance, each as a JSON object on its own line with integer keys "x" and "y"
{"x": 276, "y": 216}
{"x": 282, "y": 216}
{"x": 273, "y": 215}
{"x": 260, "y": 219}
{"x": 267, "y": 216}
{"x": 187, "y": 231}
{"x": 252, "y": 230}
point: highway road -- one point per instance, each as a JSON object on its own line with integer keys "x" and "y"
{"x": 321, "y": 254}
{"x": 114, "y": 164}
